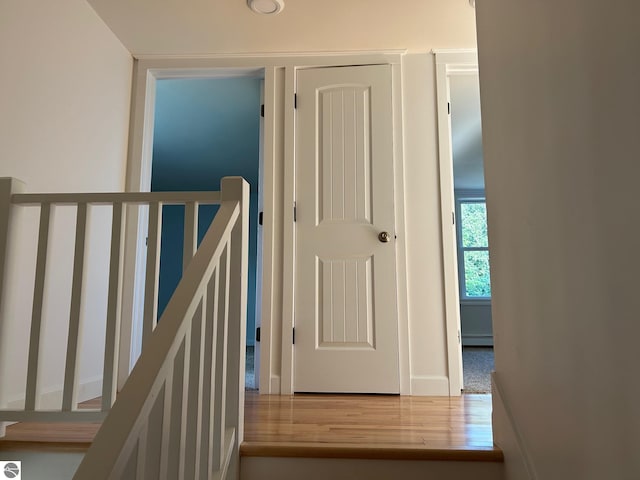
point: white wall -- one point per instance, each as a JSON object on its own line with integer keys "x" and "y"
{"x": 560, "y": 102}
{"x": 427, "y": 327}
{"x": 475, "y": 324}
{"x": 417, "y": 26}
{"x": 64, "y": 96}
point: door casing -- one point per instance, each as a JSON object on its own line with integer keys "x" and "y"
{"x": 450, "y": 62}
{"x": 279, "y": 191}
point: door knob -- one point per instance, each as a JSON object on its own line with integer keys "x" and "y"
{"x": 384, "y": 237}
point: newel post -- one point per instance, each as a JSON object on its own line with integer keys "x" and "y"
{"x": 8, "y": 187}
{"x": 237, "y": 189}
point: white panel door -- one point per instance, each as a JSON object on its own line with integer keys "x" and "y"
{"x": 346, "y": 321}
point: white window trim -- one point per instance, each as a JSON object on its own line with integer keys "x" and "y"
{"x": 467, "y": 196}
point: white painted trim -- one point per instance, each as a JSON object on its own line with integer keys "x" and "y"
{"x": 430, "y": 385}
{"x": 462, "y": 70}
{"x": 55, "y": 416}
{"x": 139, "y": 180}
{"x": 142, "y": 98}
{"x": 259, "y": 247}
{"x": 289, "y": 239}
{"x": 137, "y": 416}
{"x": 463, "y": 196}
{"x": 275, "y": 383}
{"x": 108, "y": 198}
{"x": 281, "y": 58}
{"x": 268, "y": 244}
{"x": 402, "y": 290}
{"x": 250, "y": 63}
{"x": 8, "y": 188}
{"x": 447, "y": 209}
{"x": 456, "y": 56}
{"x": 148, "y": 68}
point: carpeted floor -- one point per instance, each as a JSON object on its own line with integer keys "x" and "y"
{"x": 477, "y": 366}
{"x": 249, "y": 376}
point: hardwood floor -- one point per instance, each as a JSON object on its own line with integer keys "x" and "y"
{"x": 52, "y": 436}
{"x": 336, "y": 426}
{"x": 370, "y": 426}
{"x": 49, "y": 436}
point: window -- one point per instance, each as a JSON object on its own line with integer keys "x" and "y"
{"x": 473, "y": 249}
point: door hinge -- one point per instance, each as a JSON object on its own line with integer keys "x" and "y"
{"x": 293, "y": 337}
{"x": 295, "y": 100}
{"x": 260, "y": 218}
{"x": 453, "y": 217}
{"x": 258, "y": 334}
{"x": 448, "y": 108}
{"x": 295, "y": 212}
{"x": 459, "y": 336}
{"x": 262, "y": 110}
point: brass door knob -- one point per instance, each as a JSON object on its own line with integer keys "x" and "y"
{"x": 384, "y": 237}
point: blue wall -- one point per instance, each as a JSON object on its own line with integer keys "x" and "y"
{"x": 205, "y": 129}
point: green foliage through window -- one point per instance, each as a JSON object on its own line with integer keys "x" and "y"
{"x": 474, "y": 245}
{"x": 477, "y": 282}
{"x": 474, "y": 224}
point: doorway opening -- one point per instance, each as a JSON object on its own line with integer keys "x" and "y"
{"x": 474, "y": 282}
{"x": 206, "y": 129}
{"x": 465, "y": 239}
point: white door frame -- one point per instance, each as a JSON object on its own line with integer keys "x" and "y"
{"x": 394, "y": 60}
{"x": 448, "y": 63}
{"x": 277, "y": 318}
{"x": 139, "y": 170}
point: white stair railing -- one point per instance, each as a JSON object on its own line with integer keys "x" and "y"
{"x": 225, "y": 280}
{"x": 180, "y": 413}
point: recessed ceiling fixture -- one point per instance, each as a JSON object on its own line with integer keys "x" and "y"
{"x": 266, "y": 7}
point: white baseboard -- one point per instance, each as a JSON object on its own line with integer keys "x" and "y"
{"x": 429, "y": 385}
{"x": 426, "y": 385}
{"x": 506, "y": 435}
{"x": 51, "y": 398}
{"x": 274, "y": 386}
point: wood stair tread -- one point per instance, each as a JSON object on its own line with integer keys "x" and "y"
{"x": 49, "y": 436}
{"x": 326, "y": 426}
{"x": 44, "y": 446}
{"x": 369, "y": 451}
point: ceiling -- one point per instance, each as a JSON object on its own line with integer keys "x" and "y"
{"x": 182, "y": 27}
{"x": 466, "y": 132}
